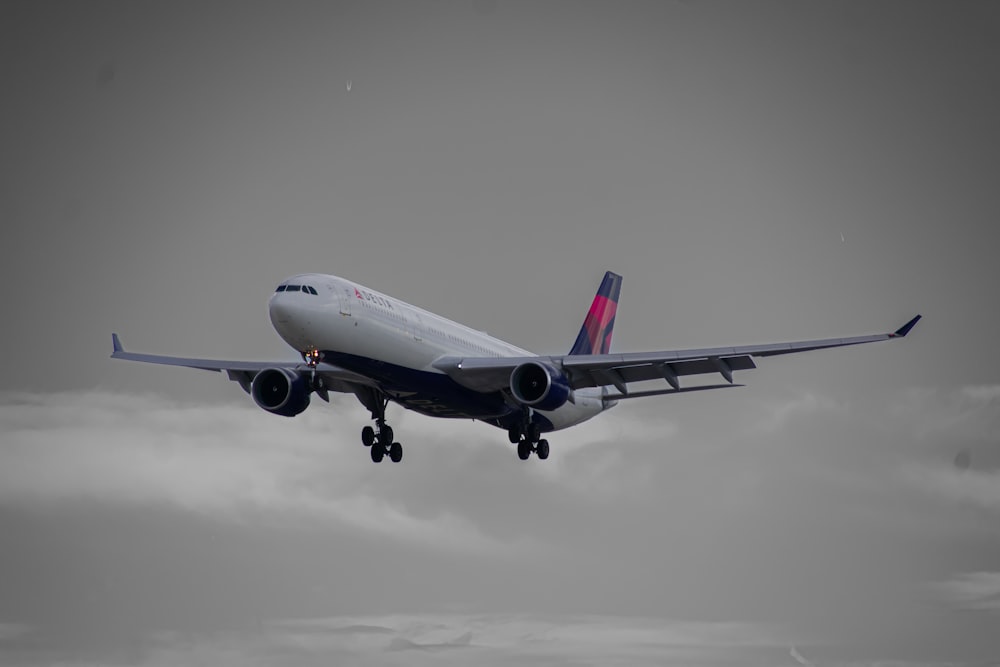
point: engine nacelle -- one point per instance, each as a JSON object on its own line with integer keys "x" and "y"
{"x": 280, "y": 391}
{"x": 539, "y": 385}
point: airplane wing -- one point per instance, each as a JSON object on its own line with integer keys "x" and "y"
{"x": 596, "y": 370}
{"x": 334, "y": 378}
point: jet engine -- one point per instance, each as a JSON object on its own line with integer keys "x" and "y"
{"x": 280, "y": 391}
{"x": 539, "y": 385}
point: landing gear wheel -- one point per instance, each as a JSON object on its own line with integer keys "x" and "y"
{"x": 378, "y": 451}
{"x": 542, "y": 449}
{"x": 396, "y": 452}
{"x": 385, "y": 435}
{"x": 534, "y": 432}
{"x": 523, "y": 450}
{"x": 368, "y": 436}
{"x": 514, "y": 434}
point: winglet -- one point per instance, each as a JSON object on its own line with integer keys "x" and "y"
{"x": 116, "y": 343}
{"x": 905, "y": 329}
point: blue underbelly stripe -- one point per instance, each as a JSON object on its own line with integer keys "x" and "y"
{"x": 433, "y": 394}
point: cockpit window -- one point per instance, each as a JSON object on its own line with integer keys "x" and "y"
{"x": 308, "y": 289}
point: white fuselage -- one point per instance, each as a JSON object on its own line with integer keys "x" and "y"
{"x": 396, "y": 344}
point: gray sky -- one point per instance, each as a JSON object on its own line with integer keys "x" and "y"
{"x": 163, "y": 165}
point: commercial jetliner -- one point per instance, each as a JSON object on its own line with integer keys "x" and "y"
{"x": 356, "y": 340}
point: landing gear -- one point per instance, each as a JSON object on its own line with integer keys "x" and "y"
{"x": 380, "y": 437}
{"x": 523, "y": 450}
{"x": 369, "y": 436}
{"x": 393, "y": 449}
{"x": 527, "y": 435}
{"x": 525, "y": 447}
{"x": 381, "y": 442}
{"x": 542, "y": 449}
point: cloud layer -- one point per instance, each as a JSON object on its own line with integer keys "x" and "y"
{"x": 760, "y": 528}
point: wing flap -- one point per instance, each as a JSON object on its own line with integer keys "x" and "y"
{"x": 665, "y": 392}
{"x": 581, "y": 375}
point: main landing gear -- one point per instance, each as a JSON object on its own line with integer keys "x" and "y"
{"x": 380, "y": 437}
{"x": 528, "y": 438}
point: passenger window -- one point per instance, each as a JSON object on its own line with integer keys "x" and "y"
{"x": 281, "y": 288}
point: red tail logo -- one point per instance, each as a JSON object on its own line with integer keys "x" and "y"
{"x": 595, "y": 334}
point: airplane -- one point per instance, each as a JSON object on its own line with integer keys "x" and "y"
{"x": 357, "y": 340}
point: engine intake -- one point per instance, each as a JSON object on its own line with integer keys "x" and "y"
{"x": 539, "y": 385}
{"x": 280, "y": 391}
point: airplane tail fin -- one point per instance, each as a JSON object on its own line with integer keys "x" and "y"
{"x": 595, "y": 334}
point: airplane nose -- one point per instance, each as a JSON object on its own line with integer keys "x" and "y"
{"x": 280, "y": 309}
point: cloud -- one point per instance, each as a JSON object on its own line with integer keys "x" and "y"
{"x": 979, "y": 489}
{"x": 226, "y": 461}
{"x": 941, "y": 422}
{"x": 779, "y": 415}
{"x": 633, "y": 511}
{"x": 799, "y": 658}
{"x": 969, "y": 412}
{"x": 974, "y": 591}
{"x": 982, "y": 393}
{"x": 487, "y": 639}
{"x": 916, "y": 420}
{"x": 10, "y": 631}
{"x": 598, "y": 461}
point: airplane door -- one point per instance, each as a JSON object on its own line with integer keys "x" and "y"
{"x": 416, "y": 325}
{"x": 346, "y": 295}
